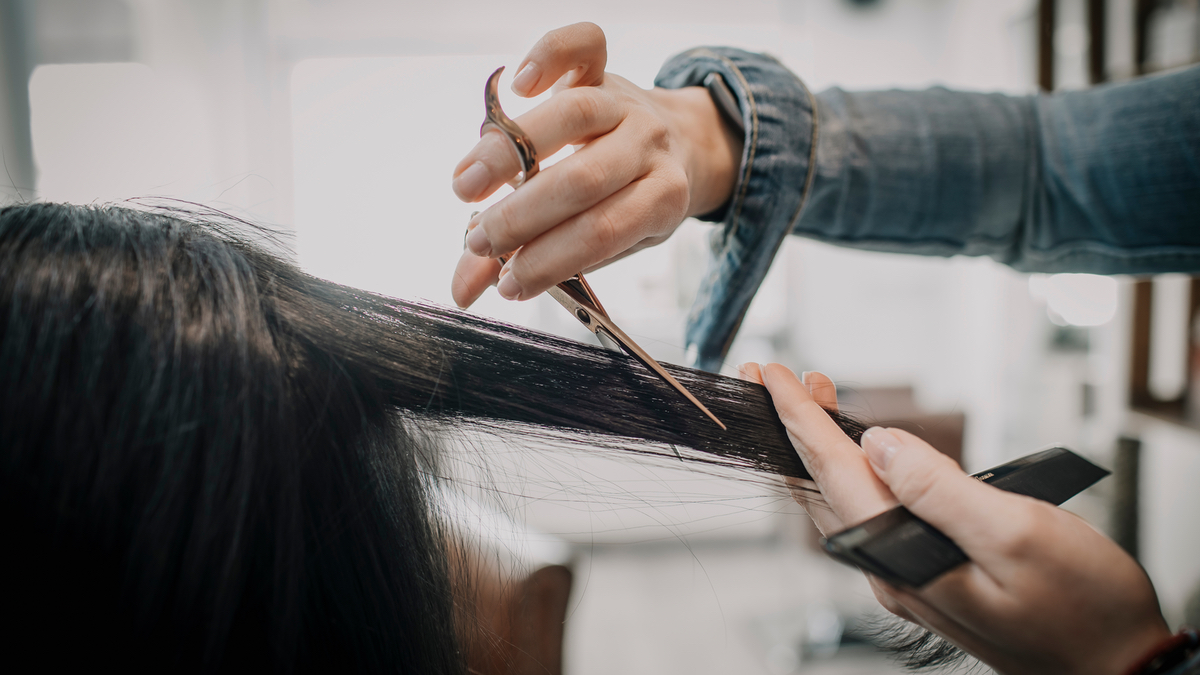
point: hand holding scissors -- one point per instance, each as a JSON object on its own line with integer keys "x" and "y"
{"x": 574, "y": 294}
{"x": 645, "y": 160}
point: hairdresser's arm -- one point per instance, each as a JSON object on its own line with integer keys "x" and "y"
{"x": 1105, "y": 180}
{"x": 1043, "y": 593}
{"x": 644, "y": 161}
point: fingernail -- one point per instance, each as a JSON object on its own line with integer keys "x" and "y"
{"x": 742, "y": 371}
{"x": 508, "y": 288}
{"x": 471, "y": 182}
{"x": 804, "y": 380}
{"x": 526, "y": 78}
{"x": 505, "y": 269}
{"x": 477, "y": 241}
{"x": 470, "y": 226}
{"x": 880, "y": 445}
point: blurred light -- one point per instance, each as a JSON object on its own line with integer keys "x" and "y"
{"x": 109, "y": 131}
{"x": 1076, "y": 299}
{"x": 1071, "y": 40}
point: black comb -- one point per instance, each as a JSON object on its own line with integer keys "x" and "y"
{"x": 904, "y": 550}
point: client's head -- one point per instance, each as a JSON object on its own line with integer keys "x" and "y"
{"x": 190, "y": 477}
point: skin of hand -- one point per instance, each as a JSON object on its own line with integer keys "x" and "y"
{"x": 644, "y": 161}
{"x": 1044, "y": 592}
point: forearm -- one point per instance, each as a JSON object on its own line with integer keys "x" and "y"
{"x": 1103, "y": 180}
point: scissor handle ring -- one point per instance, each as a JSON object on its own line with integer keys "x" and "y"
{"x": 496, "y": 119}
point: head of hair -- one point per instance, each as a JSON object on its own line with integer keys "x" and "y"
{"x": 209, "y": 459}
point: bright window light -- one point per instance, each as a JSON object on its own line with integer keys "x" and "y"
{"x": 1076, "y": 299}
{"x": 110, "y": 131}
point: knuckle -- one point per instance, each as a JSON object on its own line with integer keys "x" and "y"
{"x": 676, "y": 194}
{"x": 498, "y": 154}
{"x": 915, "y": 488}
{"x": 591, "y": 32}
{"x": 588, "y": 182}
{"x": 583, "y": 111}
{"x": 499, "y": 227}
{"x": 573, "y": 38}
{"x": 532, "y": 269}
{"x": 557, "y": 40}
{"x": 1026, "y": 527}
{"x": 657, "y": 136}
{"x": 601, "y": 236}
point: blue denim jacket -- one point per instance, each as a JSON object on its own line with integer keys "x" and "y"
{"x": 1104, "y": 181}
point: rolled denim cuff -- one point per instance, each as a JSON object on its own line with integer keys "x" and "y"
{"x": 772, "y": 187}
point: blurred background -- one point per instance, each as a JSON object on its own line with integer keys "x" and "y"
{"x": 341, "y": 122}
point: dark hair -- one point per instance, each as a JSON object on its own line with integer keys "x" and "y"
{"x": 212, "y": 460}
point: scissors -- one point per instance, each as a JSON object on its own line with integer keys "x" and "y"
{"x": 574, "y": 294}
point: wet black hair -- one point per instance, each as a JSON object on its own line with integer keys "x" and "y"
{"x": 210, "y": 460}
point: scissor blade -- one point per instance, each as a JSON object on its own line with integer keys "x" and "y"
{"x": 597, "y": 322}
{"x": 640, "y": 354}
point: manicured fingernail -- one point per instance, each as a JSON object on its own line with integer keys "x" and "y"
{"x": 508, "y": 288}
{"x": 804, "y": 380}
{"x": 880, "y": 445}
{"x": 471, "y": 182}
{"x": 474, "y": 223}
{"x": 526, "y": 78}
{"x": 477, "y": 241}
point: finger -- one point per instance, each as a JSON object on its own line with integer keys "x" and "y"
{"x": 825, "y": 394}
{"x": 968, "y": 595}
{"x": 975, "y": 642}
{"x": 837, "y": 465}
{"x": 570, "y": 118}
{"x": 823, "y": 391}
{"x": 804, "y": 492}
{"x": 807, "y": 495}
{"x": 933, "y": 619}
{"x": 889, "y": 603}
{"x": 472, "y": 276}
{"x": 611, "y": 226}
{"x": 936, "y": 489}
{"x": 750, "y": 372}
{"x": 653, "y": 240}
{"x": 580, "y": 47}
{"x": 574, "y": 185}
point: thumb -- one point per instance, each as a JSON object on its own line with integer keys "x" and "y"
{"x": 934, "y": 488}
{"x": 580, "y": 49}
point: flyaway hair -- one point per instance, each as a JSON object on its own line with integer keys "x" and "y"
{"x": 211, "y": 460}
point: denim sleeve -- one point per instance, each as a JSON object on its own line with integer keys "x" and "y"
{"x": 772, "y": 186}
{"x": 1105, "y": 180}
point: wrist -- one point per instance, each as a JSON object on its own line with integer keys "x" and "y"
{"x": 713, "y": 149}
